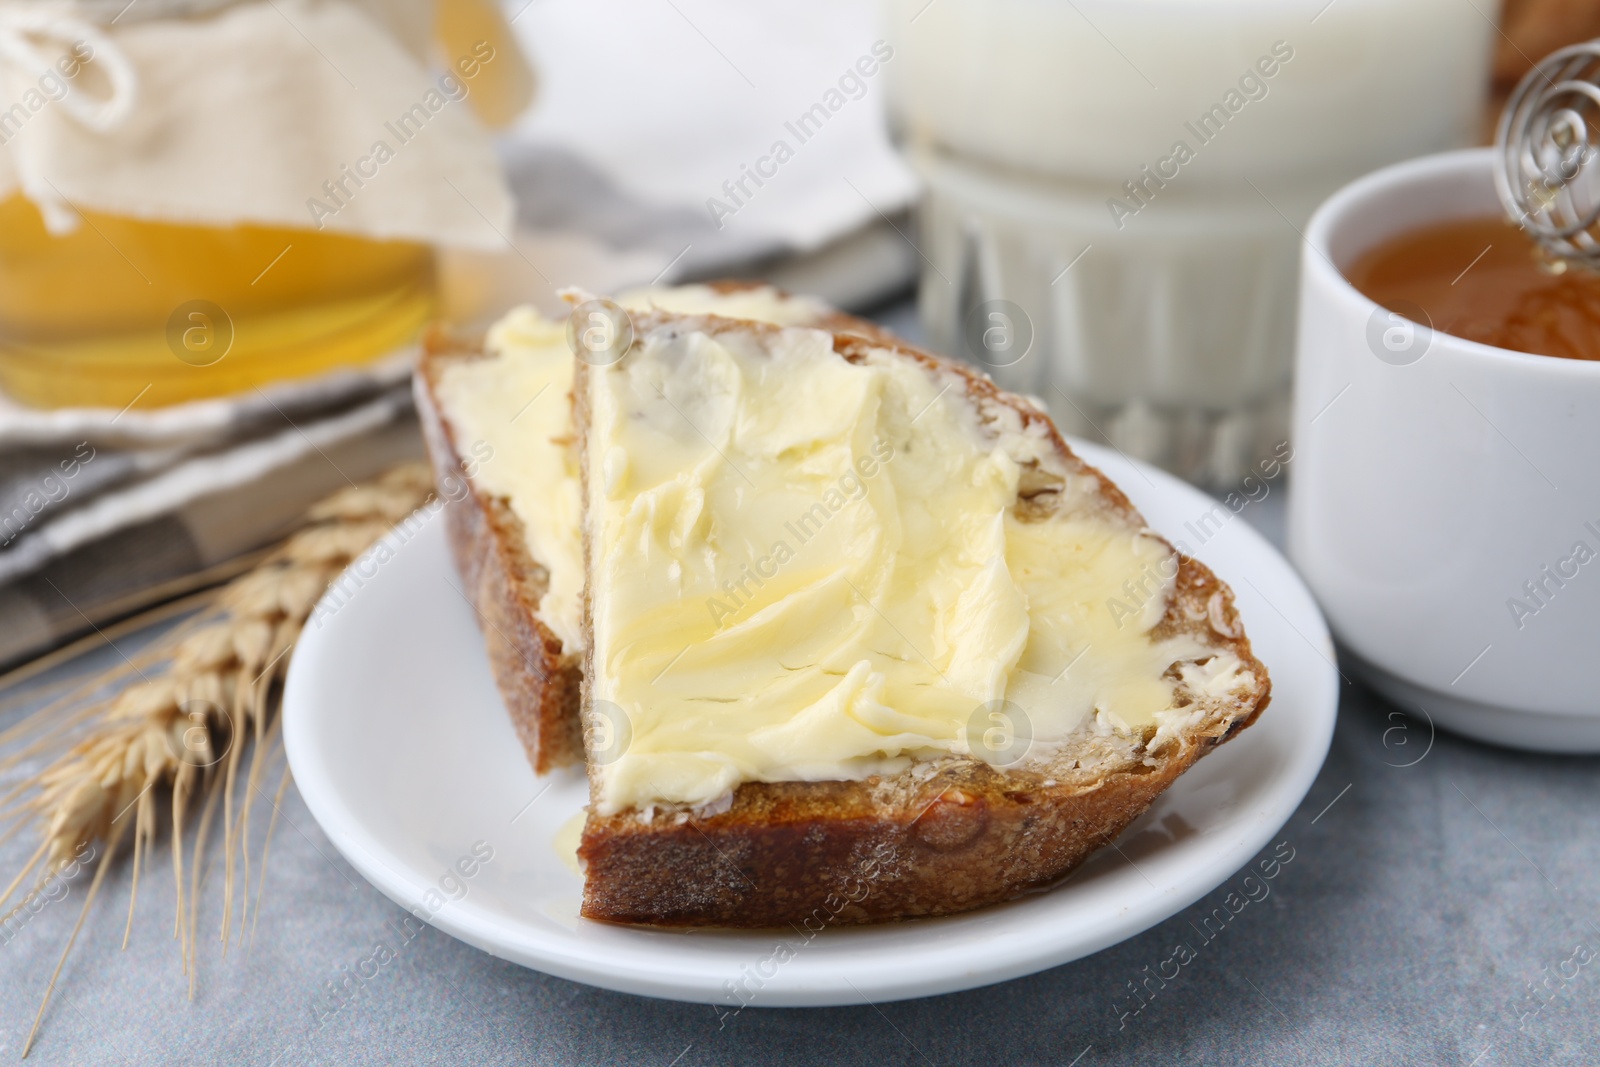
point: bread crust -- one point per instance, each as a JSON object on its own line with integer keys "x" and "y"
{"x": 944, "y": 836}
{"x": 538, "y": 679}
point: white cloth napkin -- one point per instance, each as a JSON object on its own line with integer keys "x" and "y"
{"x": 647, "y": 107}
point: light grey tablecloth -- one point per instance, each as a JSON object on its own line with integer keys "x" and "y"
{"x": 1443, "y": 912}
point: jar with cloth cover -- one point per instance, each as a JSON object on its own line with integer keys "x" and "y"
{"x": 201, "y": 196}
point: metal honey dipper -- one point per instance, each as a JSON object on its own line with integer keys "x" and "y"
{"x": 1545, "y": 145}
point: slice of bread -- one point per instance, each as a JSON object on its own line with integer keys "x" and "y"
{"x": 496, "y": 418}
{"x": 505, "y": 571}
{"x": 724, "y": 790}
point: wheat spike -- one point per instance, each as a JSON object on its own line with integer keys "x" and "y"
{"x": 202, "y": 693}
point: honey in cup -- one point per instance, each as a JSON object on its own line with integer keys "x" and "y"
{"x": 1485, "y": 280}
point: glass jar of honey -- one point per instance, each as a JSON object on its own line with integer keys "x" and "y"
{"x": 123, "y": 310}
{"x": 200, "y": 281}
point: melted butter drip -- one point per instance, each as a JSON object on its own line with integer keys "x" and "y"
{"x": 567, "y": 840}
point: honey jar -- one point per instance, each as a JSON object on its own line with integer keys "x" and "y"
{"x": 198, "y": 197}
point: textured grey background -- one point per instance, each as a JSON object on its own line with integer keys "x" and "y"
{"x": 1430, "y": 887}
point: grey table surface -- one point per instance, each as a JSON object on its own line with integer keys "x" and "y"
{"x": 1441, "y": 908}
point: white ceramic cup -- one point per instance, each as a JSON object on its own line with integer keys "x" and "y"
{"x": 1445, "y": 505}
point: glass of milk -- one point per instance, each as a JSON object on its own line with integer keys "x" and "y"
{"x": 1115, "y": 190}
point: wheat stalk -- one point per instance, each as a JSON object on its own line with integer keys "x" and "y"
{"x": 179, "y": 731}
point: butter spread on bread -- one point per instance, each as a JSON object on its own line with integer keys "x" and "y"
{"x": 807, "y": 568}
{"x": 497, "y": 419}
{"x": 519, "y": 401}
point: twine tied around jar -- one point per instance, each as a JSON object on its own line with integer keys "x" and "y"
{"x": 34, "y": 36}
{"x": 34, "y": 39}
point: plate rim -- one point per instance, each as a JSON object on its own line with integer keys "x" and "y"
{"x": 1014, "y": 951}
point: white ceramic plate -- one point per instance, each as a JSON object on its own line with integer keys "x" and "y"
{"x": 405, "y": 756}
